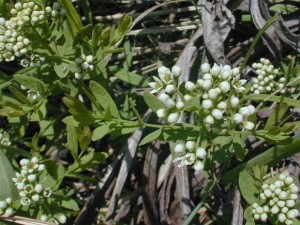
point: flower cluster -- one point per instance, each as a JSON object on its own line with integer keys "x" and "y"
{"x": 33, "y": 60}
{"x": 190, "y": 154}
{"x": 13, "y": 42}
{"x": 84, "y": 63}
{"x": 56, "y": 11}
{"x": 218, "y": 91}
{"x": 6, "y": 208}
{"x": 27, "y": 182}
{"x": 268, "y": 78}
{"x": 279, "y": 199}
{"x": 57, "y": 219}
{"x": 4, "y": 140}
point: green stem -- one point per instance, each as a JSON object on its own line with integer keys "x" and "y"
{"x": 256, "y": 39}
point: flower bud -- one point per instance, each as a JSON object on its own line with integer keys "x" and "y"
{"x": 248, "y": 125}
{"x": 179, "y": 105}
{"x": 180, "y": 147}
{"x": 290, "y": 203}
{"x": 190, "y": 145}
{"x": 237, "y": 118}
{"x": 207, "y": 84}
{"x": 222, "y": 105}
{"x": 234, "y": 101}
{"x": 209, "y": 119}
{"x": 62, "y": 218}
{"x": 170, "y": 88}
{"x": 190, "y": 86}
{"x": 217, "y": 114}
{"x": 207, "y": 104}
{"x": 259, "y": 210}
{"x": 173, "y": 117}
{"x": 169, "y": 103}
{"x": 268, "y": 193}
{"x": 264, "y": 217}
{"x": 275, "y": 209}
{"x": 224, "y": 86}
{"x": 176, "y": 71}
{"x": 198, "y": 166}
{"x": 207, "y": 76}
{"x": 281, "y": 217}
{"x": 188, "y": 98}
{"x": 201, "y": 152}
{"x": 205, "y": 67}
{"x": 245, "y": 111}
{"x": 215, "y": 70}
{"x": 212, "y": 94}
{"x": 161, "y": 113}
{"x": 288, "y": 180}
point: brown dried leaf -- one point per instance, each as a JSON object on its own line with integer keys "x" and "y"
{"x": 217, "y": 21}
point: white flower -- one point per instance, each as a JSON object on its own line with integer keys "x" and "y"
{"x": 207, "y": 104}
{"x": 173, "y": 117}
{"x": 190, "y": 145}
{"x": 217, "y": 114}
{"x": 187, "y": 159}
{"x": 205, "y": 67}
{"x": 176, "y": 71}
{"x": 234, "y": 101}
{"x": 213, "y": 94}
{"x": 281, "y": 217}
{"x": 161, "y": 113}
{"x": 198, "y": 166}
{"x": 62, "y": 218}
{"x": 248, "y": 125}
{"x": 179, "y": 105}
{"x": 207, "y": 84}
{"x": 224, "y": 86}
{"x": 207, "y": 76}
{"x": 170, "y": 88}
{"x": 275, "y": 209}
{"x": 169, "y": 103}
{"x": 179, "y": 147}
{"x": 237, "y": 118}
{"x": 222, "y": 105}
{"x": 200, "y": 152}
{"x": 238, "y": 84}
{"x": 215, "y": 70}
{"x": 209, "y": 119}
{"x": 25, "y": 201}
{"x": 190, "y": 86}
{"x": 44, "y": 218}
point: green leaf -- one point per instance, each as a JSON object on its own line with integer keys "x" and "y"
{"x": 280, "y": 99}
{"x": 276, "y": 115}
{"x": 151, "y": 137}
{"x": 84, "y": 137}
{"x": 153, "y": 103}
{"x": 85, "y": 31}
{"x": 248, "y": 215}
{"x": 61, "y": 69}
{"x": 72, "y": 16}
{"x": 104, "y": 99}
{"x": 238, "y": 147}
{"x": 8, "y": 188}
{"x": 69, "y": 203}
{"x": 19, "y": 95}
{"x": 31, "y": 83}
{"x": 75, "y": 105}
{"x": 95, "y": 38}
{"x": 89, "y": 160}
{"x": 101, "y": 131}
{"x": 256, "y": 39}
{"x": 270, "y": 158}
{"x": 132, "y": 78}
{"x": 249, "y": 191}
{"x": 72, "y": 140}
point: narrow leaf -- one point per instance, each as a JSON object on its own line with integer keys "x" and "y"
{"x": 151, "y": 137}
